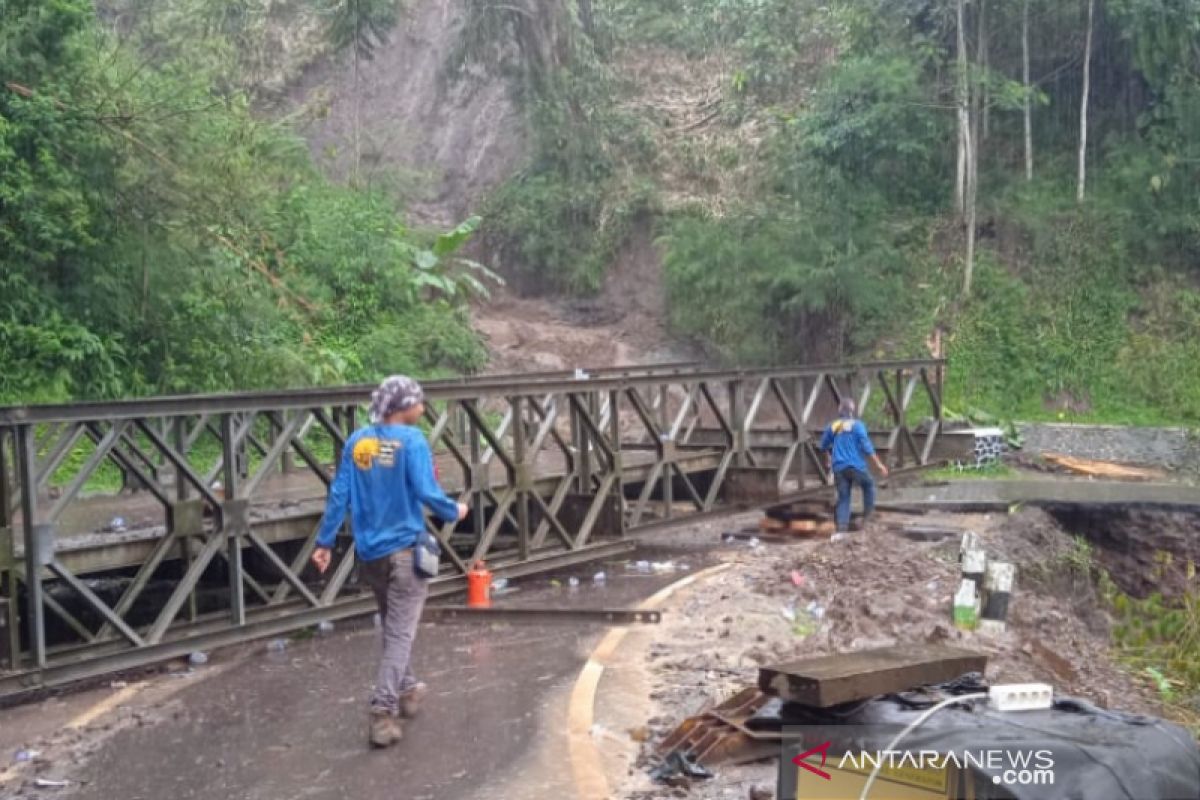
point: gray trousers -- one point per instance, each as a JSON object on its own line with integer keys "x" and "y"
{"x": 400, "y": 594}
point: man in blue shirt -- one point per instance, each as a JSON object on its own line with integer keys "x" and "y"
{"x": 847, "y": 445}
{"x": 385, "y": 479}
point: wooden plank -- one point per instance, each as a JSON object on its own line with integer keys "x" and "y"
{"x": 832, "y": 680}
{"x": 769, "y": 524}
{"x": 811, "y": 528}
{"x": 1104, "y": 469}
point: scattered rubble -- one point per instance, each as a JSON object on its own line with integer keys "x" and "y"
{"x": 877, "y": 588}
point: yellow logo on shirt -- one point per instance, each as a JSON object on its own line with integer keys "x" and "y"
{"x": 842, "y": 426}
{"x": 369, "y": 451}
{"x": 366, "y": 450}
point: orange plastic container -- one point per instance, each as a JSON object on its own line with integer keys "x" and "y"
{"x": 479, "y": 586}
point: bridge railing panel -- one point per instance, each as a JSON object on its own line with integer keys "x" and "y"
{"x": 142, "y": 526}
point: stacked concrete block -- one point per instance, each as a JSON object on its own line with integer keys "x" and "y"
{"x": 990, "y": 447}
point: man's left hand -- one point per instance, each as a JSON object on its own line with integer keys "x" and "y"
{"x": 321, "y": 558}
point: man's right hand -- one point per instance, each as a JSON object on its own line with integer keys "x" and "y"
{"x": 320, "y": 559}
{"x": 463, "y": 510}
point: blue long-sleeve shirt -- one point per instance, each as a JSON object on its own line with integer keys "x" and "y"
{"x": 850, "y": 443}
{"x": 384, "y": 479}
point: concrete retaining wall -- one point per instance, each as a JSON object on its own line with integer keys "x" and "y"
{"x": 1174, "y": 448}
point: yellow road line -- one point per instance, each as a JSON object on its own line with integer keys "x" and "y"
{"x": 86, "y": 718}
{"x": 105, "y": 705}
{"x": 586, "y": 765}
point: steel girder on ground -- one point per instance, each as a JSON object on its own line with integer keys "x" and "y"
{"x": 220, "y": 494}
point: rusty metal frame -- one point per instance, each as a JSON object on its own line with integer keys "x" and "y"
{"x": 556, "y": 467}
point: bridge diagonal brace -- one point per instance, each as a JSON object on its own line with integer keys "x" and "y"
{"x": 341, "y": 574}
{"x": 98, "y": 605}
{"x": 490, "y": 437}
{"x": 282, "y": 442}
{"x": 85, "y": 472}
{"x": 183, "y": 469}
{"x": 187, "y": 584}
{"x": 284, "y": 571}
{"x": 550, "y": 519}
{"x": 144, "y": 573}
{"x": 147, "y": 481}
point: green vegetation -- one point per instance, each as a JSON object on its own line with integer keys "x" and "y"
{"x": 856, "y": 185}
{"x": 1159, "y": 637}
{"x": 560, "y": 222}
{"x": 156, "y": 236}
{"x": 845, "y": 236}
{"x": 957, "y": 472}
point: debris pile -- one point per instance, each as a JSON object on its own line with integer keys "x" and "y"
{"x": 878, "y": 588}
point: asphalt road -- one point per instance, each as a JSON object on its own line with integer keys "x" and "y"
{"x": 293, "y": 724}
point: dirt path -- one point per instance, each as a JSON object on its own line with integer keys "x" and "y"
{"x": 624, "y": 324}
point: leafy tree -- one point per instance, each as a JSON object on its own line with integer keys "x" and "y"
{"x": 157, "y": 236}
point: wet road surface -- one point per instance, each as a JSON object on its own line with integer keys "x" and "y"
{"x": 293, "y": 724}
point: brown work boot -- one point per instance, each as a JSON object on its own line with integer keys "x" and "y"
{"x": 410, "y": 701}
{"x": 385, "y": 729}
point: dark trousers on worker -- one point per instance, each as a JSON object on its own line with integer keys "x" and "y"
{"x": 400, "y": 593}
{"x": 846, "y": 480}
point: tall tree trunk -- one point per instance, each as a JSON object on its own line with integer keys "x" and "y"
{"x": 969, "y": 267}
{"x": 962, "y": 92}
{"x": 1028, "y": 89}
{"x": 357, "y": 133}
{"x": 587, "y": 18}
{"x": 1083, "y": 103}
{"x": 965, "y": 191}
{"x": 984, "y": 63}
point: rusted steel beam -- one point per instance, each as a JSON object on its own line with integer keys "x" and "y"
{"x": 847, "y": 677}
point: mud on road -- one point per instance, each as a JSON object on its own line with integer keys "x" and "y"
{"x": 787, "y": 601}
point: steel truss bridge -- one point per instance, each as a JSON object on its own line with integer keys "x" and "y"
{"x": 136, "y": 531}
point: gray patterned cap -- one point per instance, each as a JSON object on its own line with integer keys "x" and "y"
{"x": 397, "y": 393}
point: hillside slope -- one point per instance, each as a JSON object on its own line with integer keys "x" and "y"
{"x": 442, "y": 144}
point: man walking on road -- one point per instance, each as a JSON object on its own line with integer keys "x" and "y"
{"x": 847, "y": 445}
{"x": 385, "y": 478}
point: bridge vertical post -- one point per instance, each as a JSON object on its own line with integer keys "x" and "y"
{"x": 179, "y": 442}
{"x": 524, "y": 474}
{"x": 801, "y": 468}
{"x": 898, "y": 458}
{"x": 182, "y": 492}
{"x": 664, "y": 407}
{"x": 737, "y": 421}
{"x": 583, "y": 452}
{"x": 233, "y": 517}
{"x": 336, "y": 413}
{"x": 666, "y": 450}
{"x": 614, "y": 435}
{"x": 35, "y": 619}
{"x": 287, "y": 461}
{"x": 480, "y": 473}
{"x": 10, "y": 636}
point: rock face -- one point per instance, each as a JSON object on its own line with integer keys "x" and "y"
{"x": 442, "y": 143}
